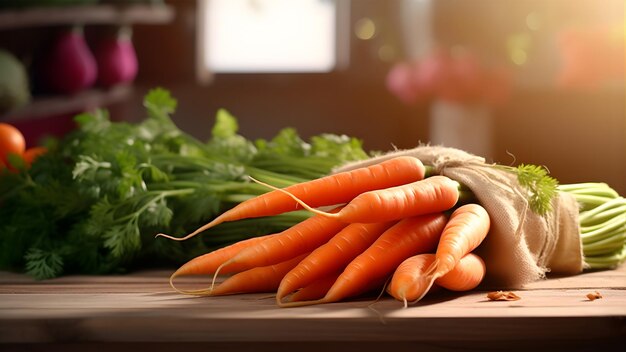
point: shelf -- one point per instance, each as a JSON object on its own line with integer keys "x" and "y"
{"x": 96, "y": 14}
{"x": 58, "y": 105}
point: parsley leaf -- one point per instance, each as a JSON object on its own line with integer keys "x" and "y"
{"x": 94, "y": 202}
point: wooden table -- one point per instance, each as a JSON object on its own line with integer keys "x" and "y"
{"x": 140, "y": 312}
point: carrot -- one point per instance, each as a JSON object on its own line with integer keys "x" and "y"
{"x": 332, "y": 256}
{"x": 296, "y": 240}
{"x": 329, "y": 190}
{"x": 318, "y": 289}
{"x": 467, "y": 228}
{"x": 315, "y": 290}
{"x": 410, "y": 282}
{"x": 373, "y": 266}
{"x": 208, "y": 263}
{"x": 431, "y": 195}
{"x": 259, "y": 279}
{"x": 466, "y": 275}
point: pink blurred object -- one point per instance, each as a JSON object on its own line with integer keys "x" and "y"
{"x": 591, "y": 57}
{"x": 465, "y": 80}
{"x": 432, "y": 73}
{"x": 460, "y": 79}
{"x": 69, "y": 66}
{"x": 400, "y": 82}
{"x": 116, "y": 59}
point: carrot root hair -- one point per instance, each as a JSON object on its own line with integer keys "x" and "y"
{"x": 198, "y": 292}
{"x": 208, "y": 225}
{"x": 217, "y": 271}
{"x": 298, "y": 200}
{"x": 290, "y": 304}
{"x": 370, "y": 306}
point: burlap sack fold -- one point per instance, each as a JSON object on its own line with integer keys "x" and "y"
{"x": 521, "y": 245}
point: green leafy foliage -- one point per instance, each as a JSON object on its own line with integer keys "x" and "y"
{"x": 226, "y": 125}
{"x": 541, "y": 187}
{"x": 94, "y": 202}
{"x": 288, "y": 153}
{"x": 43, "y": 264}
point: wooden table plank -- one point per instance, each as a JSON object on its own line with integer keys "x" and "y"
{"x": 141, "y": 308}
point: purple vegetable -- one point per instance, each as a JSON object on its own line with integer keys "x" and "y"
{"x": 69, "y": 66}
{"x": 116, "y": 58}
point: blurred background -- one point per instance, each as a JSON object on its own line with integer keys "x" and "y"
{"x": 524, "y": 81}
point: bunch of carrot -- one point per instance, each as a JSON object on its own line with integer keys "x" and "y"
{"x": 389, "y": 226}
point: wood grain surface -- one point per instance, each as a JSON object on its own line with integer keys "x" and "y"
{"x": 140, "y": 310}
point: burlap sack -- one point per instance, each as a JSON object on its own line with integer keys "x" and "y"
{"x": 521, "y": 245}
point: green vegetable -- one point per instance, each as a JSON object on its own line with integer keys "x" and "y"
{"x": 14, "y": 85}
{"x": 602, "y": 216}
{"x": 602, "y": 221}
{"x": 94, "y": 202}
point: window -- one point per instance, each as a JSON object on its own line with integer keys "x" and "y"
{"x": 257, "y": 36}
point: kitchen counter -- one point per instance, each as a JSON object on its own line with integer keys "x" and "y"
{"x": 140, "y": 311}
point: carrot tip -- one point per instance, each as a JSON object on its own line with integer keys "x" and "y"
{"x": 290, "y": 304}
{"x": 280, "y": 299}
{"x": 170, "y": 237}
{"x": 218, "y": 220}
{"x": 172, "y": 281}
{"x": 431, "y": 281}
{"x": 199, "y": 292}
{"x": 217, "y": 271}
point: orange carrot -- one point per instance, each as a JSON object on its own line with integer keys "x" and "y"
{"x": 406, "y": 238}
{"x": 296, "y": 240}
{"x": 466, "y": 275}
{"x": 208, "y": 263}
{"x": 325, "y": 191}
{"x": 318, "y": 289}
{"x": 431, "y": 195}
{"x": 467, "y": 228}
{"x": 332, "y": 256}
{"x": 315, "y": 290}
{"x": 410, "y": 282}
{"x": 259, "y": 279}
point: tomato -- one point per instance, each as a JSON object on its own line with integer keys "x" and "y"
{"x": 32, "y": 153}
{"x": 11, "y": 141}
